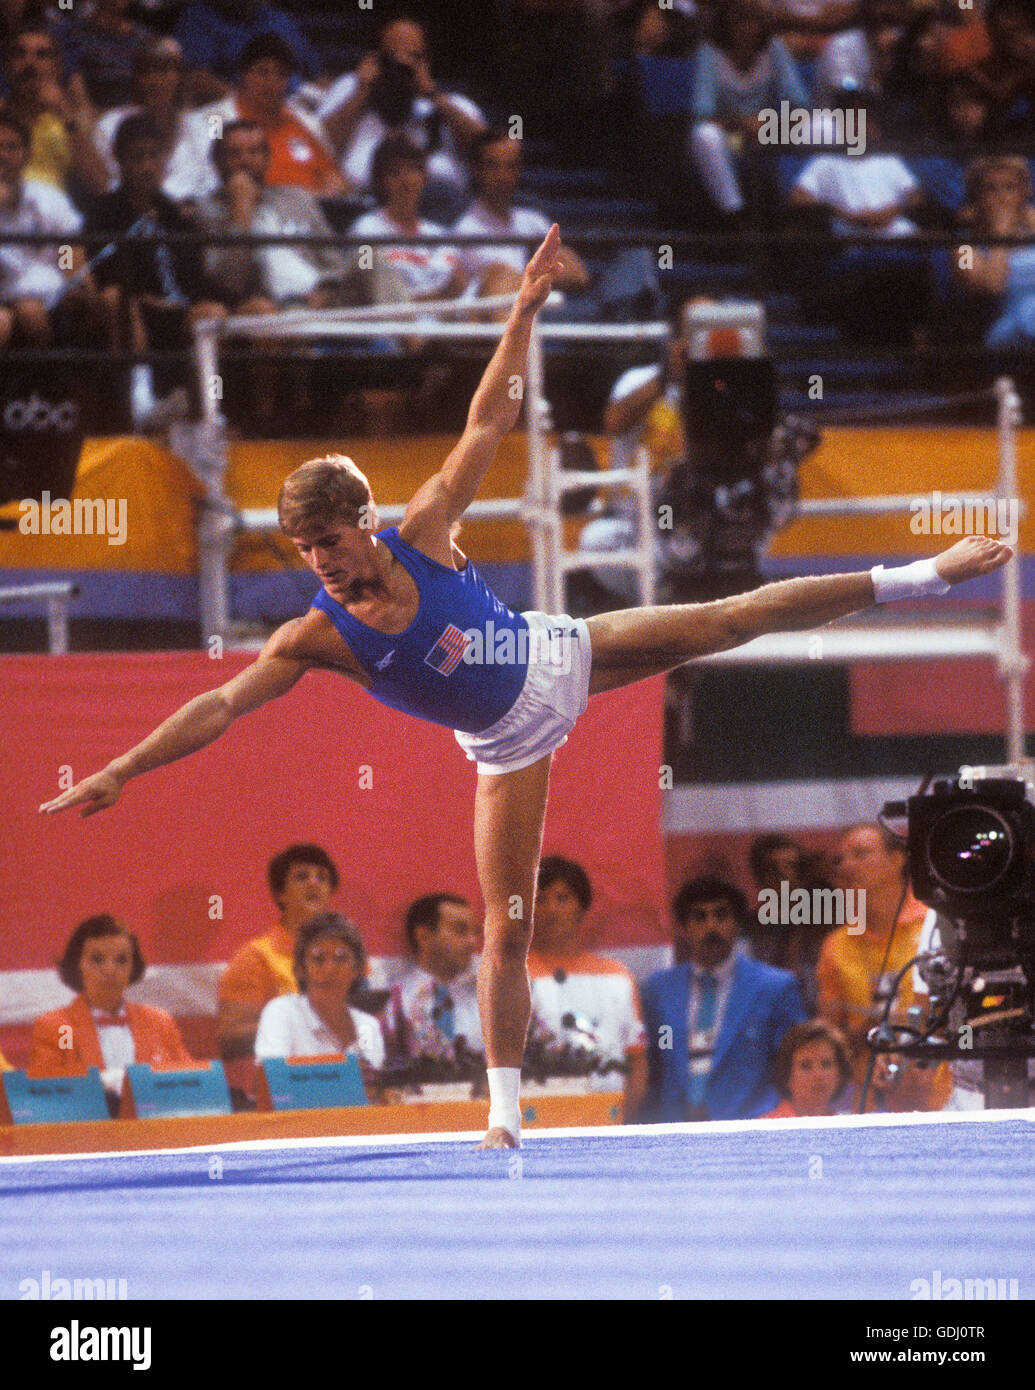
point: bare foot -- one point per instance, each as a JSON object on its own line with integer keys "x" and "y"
{"x": 972, "y": 557}
{"x": 499, "y": 1138}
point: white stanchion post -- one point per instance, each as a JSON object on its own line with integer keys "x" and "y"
{"x": 206, "y": 361}
{"x": 536, "y": 425}
{"x": 647, "y": 521}
{"x": 215, "y": 525}
{"x": 1013, "y": 664}
{"x": 57, "y": 624}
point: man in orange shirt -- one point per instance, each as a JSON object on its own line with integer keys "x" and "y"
{"x": 302, "y": 879}
{"x": 856, "y": 970}
{"x": 299, "y": 155}
{"x": 579, "y": 998}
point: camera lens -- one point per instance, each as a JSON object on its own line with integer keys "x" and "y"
{"x": 970, "y": 849}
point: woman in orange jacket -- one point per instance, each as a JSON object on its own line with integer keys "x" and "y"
{"x": 99, "y": 1028}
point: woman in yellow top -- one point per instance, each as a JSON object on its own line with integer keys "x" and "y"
{"x": 856, "y": 968}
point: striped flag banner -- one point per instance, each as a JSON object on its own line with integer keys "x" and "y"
{"x": 447, "y": 653}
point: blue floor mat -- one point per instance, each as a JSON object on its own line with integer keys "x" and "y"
{"x": 832, "y": 1212}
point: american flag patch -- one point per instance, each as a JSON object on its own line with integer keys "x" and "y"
{"x": 448, "y": 652}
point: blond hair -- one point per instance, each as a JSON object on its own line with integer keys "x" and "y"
{"x": 979, "y": 169}
{"x": 325, "y": 490}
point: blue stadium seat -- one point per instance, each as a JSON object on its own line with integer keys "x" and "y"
{"x": 788, "y": 170}
{"x": 666, "y": 85}
{"x": 807, "y": 70}
{"x": 941, "y": 177}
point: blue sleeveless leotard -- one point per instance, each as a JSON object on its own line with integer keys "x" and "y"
{"x": 462, "y": 662}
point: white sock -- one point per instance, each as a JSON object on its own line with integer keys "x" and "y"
{"x": 504, "y": 1100}
{"x": 918, "y": 580}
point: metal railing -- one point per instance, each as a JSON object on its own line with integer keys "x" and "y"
{"x": 57, "y": 596}
{"x": 890, "y": 639}
{"x": 538, "y": 507}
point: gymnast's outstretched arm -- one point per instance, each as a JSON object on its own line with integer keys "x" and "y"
{"x": 193, "y": 726}
{"x": 493, "y": 412}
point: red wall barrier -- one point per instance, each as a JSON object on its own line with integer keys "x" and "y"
{"x": 204, "y": 828}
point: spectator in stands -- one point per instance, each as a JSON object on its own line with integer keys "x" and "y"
{"x": 432, "y": 1011}
{"x": 299, "y": 153}
{"x": 863, "y": 57}
{"x": 638, "y": 392}
{"x": 495, "y": 175}
{"x": 405, "y": 274}
{"x": 260, "y": 279}
{"x": 743, "y": 70}
{"x": 857, "y": 969}
{"x": 582, "y": 1001}
{"x": 18, "y": 14}
{"x": 414, "y": 273}
{"x": 214, "y": 34}
{"x": 879, "y": 292}
{"x": 100, "y": 1027}
{"x": 962, "y": 119}
{"x": 393, "y": 93}
{"x": 805, "y": 25}
{"x": 665, "y": 33}
{"x": 1008, "y": 71}
{"x": 777, "y": 859}
{"x": 812, "y": 1070}
{"x": 627, "y": 287}
{"x": 266, "y": 279}
{"x": 302, "y": 879}
{"x": 328, "y": 959}
{"x": 58, "y": 115}
{"x": 715, "y": 1019}
{"x": 999, "y": 202}
{"x": 102, "y": 44}
{"x": 31, "y": 282}
{"x": 159, "y": 92}
{"x": 157, "y": 290}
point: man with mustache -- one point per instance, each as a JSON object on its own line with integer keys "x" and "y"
{"x": 715, "y": 1019}
{"x": 58, "y": 114}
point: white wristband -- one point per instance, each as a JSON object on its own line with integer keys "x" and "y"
{"x": 918, "y": 580}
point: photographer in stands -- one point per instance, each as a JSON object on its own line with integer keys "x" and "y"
{"x": 392, "y": 92}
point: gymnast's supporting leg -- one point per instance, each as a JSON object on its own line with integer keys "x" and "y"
{"x": 509, "y": 812}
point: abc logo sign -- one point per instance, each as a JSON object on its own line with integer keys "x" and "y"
{"x": 38, "y": 414}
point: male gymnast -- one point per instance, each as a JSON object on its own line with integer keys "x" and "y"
{"x": 401, "y": 612}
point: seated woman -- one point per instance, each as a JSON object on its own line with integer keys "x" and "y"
{"x": 330, "y": 959}
{"x": 811, "y": 1070}
{"x": 101, "y": 1028}
{"x": 999, "y": 197}
{"x": 744, "y": 70}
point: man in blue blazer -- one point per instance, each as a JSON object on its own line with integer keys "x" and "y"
{"x": 716, "y": 1018}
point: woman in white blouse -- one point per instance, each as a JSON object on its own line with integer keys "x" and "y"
{"x": 329, "y": 958}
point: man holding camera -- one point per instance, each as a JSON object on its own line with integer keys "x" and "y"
{"x": 392, "y": 92}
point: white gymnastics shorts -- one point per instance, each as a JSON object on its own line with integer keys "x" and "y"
{"x": 555, "y": 693}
